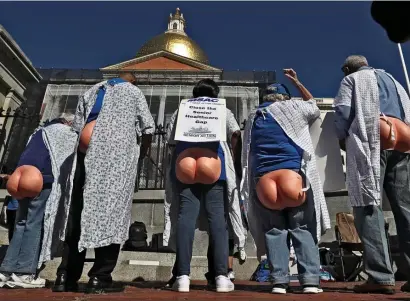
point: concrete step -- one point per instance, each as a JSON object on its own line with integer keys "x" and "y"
{"x": 151, "y": 213}
{"x": 138, "y": 266}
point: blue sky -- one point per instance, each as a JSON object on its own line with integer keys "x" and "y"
{"x": 312, "y": 37}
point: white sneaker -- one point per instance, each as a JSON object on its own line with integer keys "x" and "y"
{"x": 312, "y": 290}
{"x": 280, "y": 289}
{"x": 181, "y": 284}
{"x": 3, "y": 279}
{"x": 25, "y": 281}
{"x": 231, "y": 275}
{"x": 224, "y": 284}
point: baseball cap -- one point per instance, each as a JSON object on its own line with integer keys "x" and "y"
{"x": 278, "y": 89}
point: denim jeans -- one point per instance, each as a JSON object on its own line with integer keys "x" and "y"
{"x": 212, "y": 199}
{"x": 369, "y": 220}
{"x": 24, "y": 249}
{"x": 369, "y": 223}
{"x": 299, "y": 225}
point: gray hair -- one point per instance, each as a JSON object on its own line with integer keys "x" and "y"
{"x": 355, "y": 62}
{"x": 275, "y": 97}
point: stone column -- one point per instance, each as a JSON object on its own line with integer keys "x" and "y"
{"x": 161, "y": 110}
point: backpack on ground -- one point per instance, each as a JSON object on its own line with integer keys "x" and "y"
{"x": 262, "y": 273}
{"x": 137, "y": 237}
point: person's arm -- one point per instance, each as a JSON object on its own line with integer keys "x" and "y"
{"x": 307, "y": 108}
{"x": 291, "y": 74}
{"x": 236, "y": 142}
{"x": 145, "y": 145}
{"x": 344, "y": 109}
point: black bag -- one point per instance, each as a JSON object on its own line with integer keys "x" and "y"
{"x": 327, "y": 258}
{"x": 137, "y": 237}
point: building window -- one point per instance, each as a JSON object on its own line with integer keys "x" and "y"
{"x": 175, "y": 26}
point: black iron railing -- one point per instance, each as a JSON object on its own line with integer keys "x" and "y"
{"x": 152, "y": 169}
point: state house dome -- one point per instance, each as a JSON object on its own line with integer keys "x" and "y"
{"x": 175, "y": 40}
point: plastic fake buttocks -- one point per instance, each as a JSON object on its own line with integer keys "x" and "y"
{"x": 198, "y": 165}
{"x": 394, "y": 134}
{"x": 281, "y": 189}
{"x": 25, "y": 182}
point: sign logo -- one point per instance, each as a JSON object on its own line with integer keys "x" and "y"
{"x": 203, "y": 99}
{"x": 199, "y": 130}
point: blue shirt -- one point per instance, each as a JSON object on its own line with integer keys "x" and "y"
{"x": 37, "y": 154}
{"x": 215, "y": 146}
{"x": 100, "y": 97}
{"x": 13, "y": 204}
{"x": 389, "y": 99}
{"x": 271, "y": 148}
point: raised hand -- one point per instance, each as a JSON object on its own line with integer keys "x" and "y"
{"x": 291, "y": 74}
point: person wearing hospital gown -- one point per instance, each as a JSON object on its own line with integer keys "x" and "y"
{"x": 372, "y": 118}
{"x": 281, "y": 187}
{"x": 114, "y": 127}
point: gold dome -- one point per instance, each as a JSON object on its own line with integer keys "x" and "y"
{"x": 176, "y": 41}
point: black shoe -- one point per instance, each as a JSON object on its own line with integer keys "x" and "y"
{"x": 96, "y": 286}
{"x": 374, "y": 288}
{"x": 406, "y": 287}
{"x": 62, "y": 284}
{"x": 211, "y": 283}
{"x": 170, "y": 282}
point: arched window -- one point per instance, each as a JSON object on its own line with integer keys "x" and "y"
{"x": 175, "y": 26}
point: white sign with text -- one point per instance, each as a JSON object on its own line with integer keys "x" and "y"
{"x": 201, "y": 119}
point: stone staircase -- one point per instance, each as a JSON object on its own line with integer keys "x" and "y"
{"x": 157, "y": 266}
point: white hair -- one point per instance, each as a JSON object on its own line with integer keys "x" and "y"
{"x": 68, "y": 117}
{"x": 275, "y": 97}
{"x": 355, "y": 62}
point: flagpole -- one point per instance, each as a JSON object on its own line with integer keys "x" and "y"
{"x": 404, "y": 67}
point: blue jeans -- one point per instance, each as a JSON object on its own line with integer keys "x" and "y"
{"x": 299, "y": 225}
{"x": 212, "y": 198}
{"x": 369, "y": 220}
{"x": 369, "y": 223}
{"x": 24, "y": 249}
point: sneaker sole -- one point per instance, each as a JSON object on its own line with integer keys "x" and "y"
{"x": 225, "y": 289}
{"x": 279, "y": 291}
{"x": 181, "y": 290}
{"x": 312, "y": 290}
{"x": 11, "y": 284}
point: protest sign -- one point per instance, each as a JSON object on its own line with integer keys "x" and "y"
{"x": 201, "y": 120}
